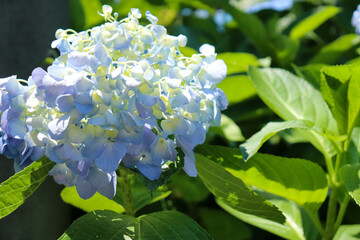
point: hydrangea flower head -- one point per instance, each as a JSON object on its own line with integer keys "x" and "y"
{"x": 118, "y": 93}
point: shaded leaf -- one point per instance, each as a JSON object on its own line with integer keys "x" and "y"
{"x": 191, "y": 189}
{"x": 104, "y": 225}
{"x": 221, "y": 225}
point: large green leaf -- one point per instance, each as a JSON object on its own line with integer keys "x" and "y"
{"x": 233, "y": 191}
{"x": 299, "y": 180}
{"x": 253, "y": 144}
{"x": 293, "y": 98}
{"x": 350, "y": 175}
{"x": 17, "y": 188}
{"x": 340, "y": 87}
{"x": 238, "y": 62}
{"x": 314, "y": 21}
{"x": 104, "y": 225}
{"x": 237, "y": 88}
{"x": 348, "y": 232}
{"x": 330, "y": 53}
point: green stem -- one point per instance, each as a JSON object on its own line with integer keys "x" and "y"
{"x": 316, "y": 221}
{"x": 125, "y": 186}
{"x": 342, "y": 211}
{"x": 331, "y": 214}
{"x": 331, "y": 228}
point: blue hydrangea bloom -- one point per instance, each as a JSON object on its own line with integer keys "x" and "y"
{"x": 355, "y": 21}
{"x": 118, "y": 93}
{"x": 276, "y": 5}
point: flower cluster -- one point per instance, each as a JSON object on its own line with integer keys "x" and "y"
{"x": 119, "y": 92}
{"x": 355, "y": 21}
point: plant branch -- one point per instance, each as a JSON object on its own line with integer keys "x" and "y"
{"x": 125, "y": 186}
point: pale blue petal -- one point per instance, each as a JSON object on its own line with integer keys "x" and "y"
{"x": 111, "y": 156}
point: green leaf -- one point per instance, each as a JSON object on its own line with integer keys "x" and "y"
{"x": 20, "y": 186}
{"x": 190, "y": 189}
{"x": 355, "y": 137}
{"x": 104, "y": 225}
{"x": 228, "y": 129}
{"x": 84, "y": 14}
{"x": 297, "y": 226}
{"x": 293, "y": 98}
{"x": 314, "y": 21}
{"x": 166, "y": 13}
{"x": 142, "y": 196}
{"x": 237, "y": 88}
{"x": 96, "y": 202}
{"x": 238, "y": 62}
{"x": 307, "y": 185}
{"x": 221, "y": 225}
{"x": 233, "y": 191}
{"x": 353, "y": 96}
{"x": 340, "y": 87}
{"x": 253, "y": 144}
{"x": 330, "y": 53}
{"x": 188, "y": 51}
{"x": 310, "y": 73}
{"x": 348, "y": 232}
{"x": 350, "y": 176}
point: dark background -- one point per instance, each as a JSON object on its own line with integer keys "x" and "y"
{"x": 27, "y": 29}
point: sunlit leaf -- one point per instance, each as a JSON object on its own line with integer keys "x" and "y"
{"x": 228, "y": 129}
{"x": 238, "y": 62}
{"x": 293, "y": 98}
{"x": 96, "y": 202}
{"x": 348, "y": 232}
{"x": 233, "y": 191}
{"x": 237, "y": 88}
{"x": 314, "y": 21}
{"x": 20, "y": 186}
{"x": 340, "y": 87}
{"x": 331, "y": 52}
{"x": 253, "y": 144}
{"x": 299, "y": 180}
{"x": 350, "y": 175}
